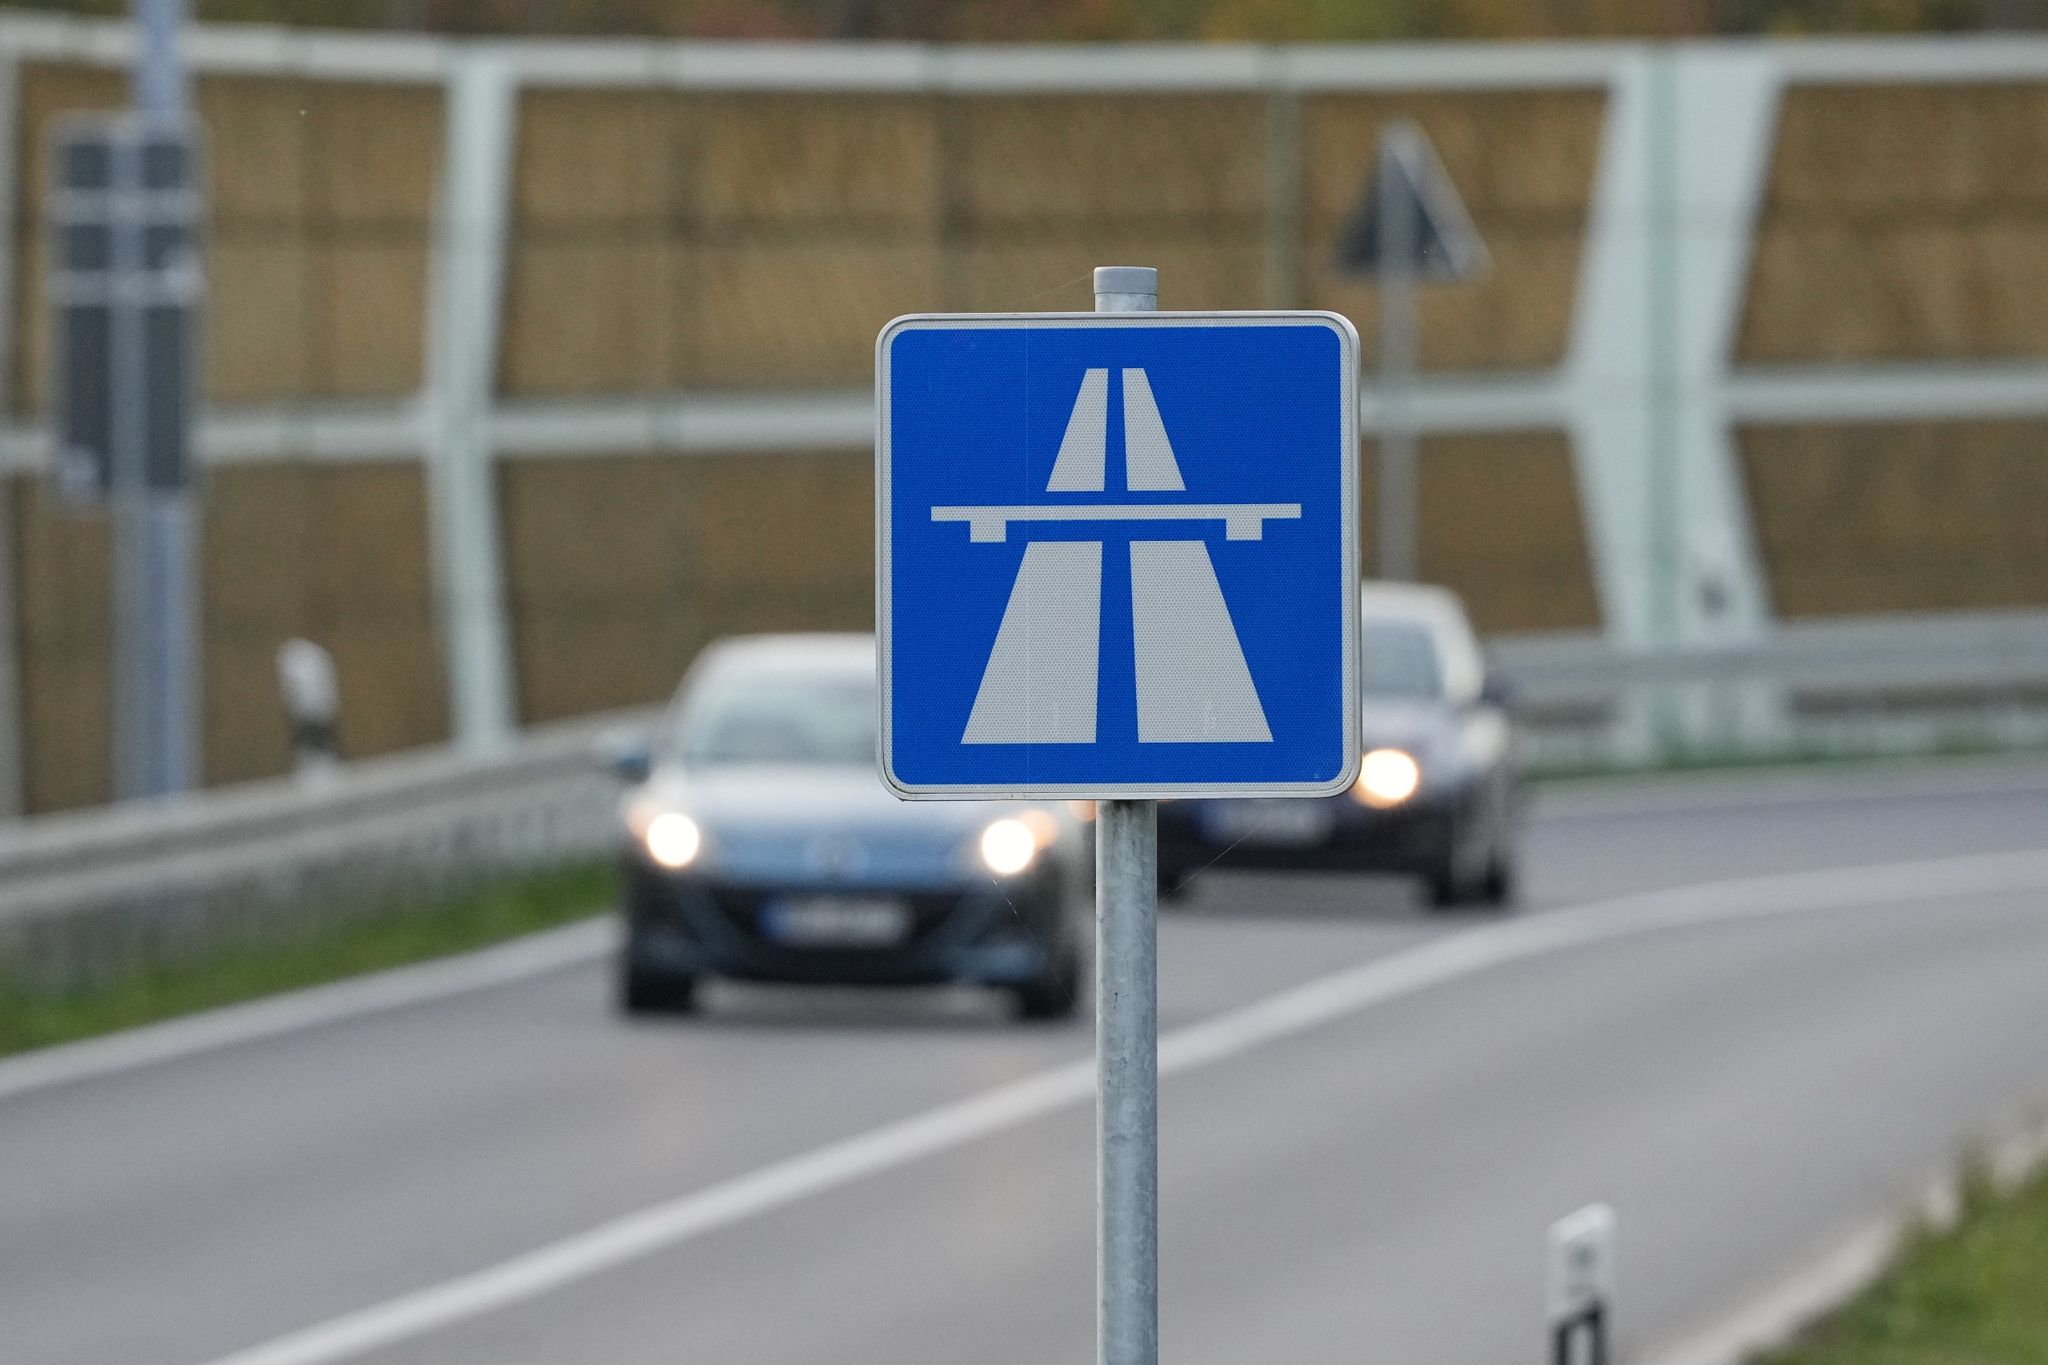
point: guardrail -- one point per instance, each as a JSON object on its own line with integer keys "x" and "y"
{"x": 1862, "y": 686}
{"x": 85, "y": 895}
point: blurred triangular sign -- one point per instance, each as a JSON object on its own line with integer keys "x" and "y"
{"x": 1410, "y": 179}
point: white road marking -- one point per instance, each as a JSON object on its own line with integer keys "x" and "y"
{"x": 1290, "y": 1012}
{"x": 519, "y": 960}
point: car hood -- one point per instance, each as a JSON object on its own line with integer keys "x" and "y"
{"x": 819, "y": 824}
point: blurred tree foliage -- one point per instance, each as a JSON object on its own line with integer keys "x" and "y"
{"x": 1026, "y": 20}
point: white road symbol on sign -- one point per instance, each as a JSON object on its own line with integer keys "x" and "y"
{"x": 1039, "y": 686}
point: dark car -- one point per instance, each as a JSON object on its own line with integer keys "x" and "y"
{"x": 1435, "y": 795}
{"x": 761, "y": 844}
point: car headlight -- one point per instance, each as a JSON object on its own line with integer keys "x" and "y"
{"x": 672, "y": 839}
{"x": 1008, "y": 847}
{"x": 1386, "y": 778}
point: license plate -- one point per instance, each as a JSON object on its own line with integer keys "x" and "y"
{"x": 1290, "y": 823}
{"x": 835, "y": 922}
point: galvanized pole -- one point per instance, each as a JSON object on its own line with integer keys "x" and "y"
{"x": 155, "y": 602}
{"x": 1127, "y": 1022}
{"x": 1399, "y": 498}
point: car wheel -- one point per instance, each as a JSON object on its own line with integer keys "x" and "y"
{"x": 645, "y": 992}
{"x": 1498, "y": 890}
{"x": 1055, "y": 995}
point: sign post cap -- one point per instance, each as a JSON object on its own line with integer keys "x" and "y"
{"x": 1126, "y": 279}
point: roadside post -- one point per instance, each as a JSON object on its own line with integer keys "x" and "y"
{"x": 312, "y": 706}
{"x": 1581, "y": 1286}
{"x": 125, "y": 289}
{"x": 1411, "y": 229}
{"x": 1116, "y": 560}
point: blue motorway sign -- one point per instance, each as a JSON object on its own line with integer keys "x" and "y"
{"x": 1117, "y": 554}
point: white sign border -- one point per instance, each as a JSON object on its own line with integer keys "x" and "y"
{"x": 1347, "y": 337}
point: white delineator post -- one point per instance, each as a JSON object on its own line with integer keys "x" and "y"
{"x": 1580, "y": 1293}
{"x": 1127, "y": 1021}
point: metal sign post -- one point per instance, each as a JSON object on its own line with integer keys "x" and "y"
{"x": 1399, "y": 503}
{"x": 1127, "y": 1022}
{"x": 1116, "y": 558}
{"x": 1411, "y": 228}
{"x": 153, "y": 521}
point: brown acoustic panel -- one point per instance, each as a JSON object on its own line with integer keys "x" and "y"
{"x": 621, "y": 568}
{"x": 601, "y": 578}
{"x": 1053, "y": 270}
{"x": 60, "y": 556}
{"x": 253, "y": 552}
{"x": 373, "y": 153}
{"x": 245, "y": 734}
{"x": 587, "y": 157}
{"x": 790, "y": 523}
{"x": 256, "y": 150}
{"x": 776, "y": 312}
{"x": 67, "y": 759}
{"x": 1928, "y": 516}
{"x": 393, "y": 683}
{"x": 368, "y": 313}
{"x": 1828, "y": 290}
{"x": 61, "y": 642}
{"x": 1885, "y": 148}
{"x": 592, "y": 311}
{"x": 577, "y": 663}
{"x": 33, "y": 341}
{"x": 580, "y": 533}
{"x": 1501, "y": 526}
{"x": 834, "y": 606}
{"x": 1106, "y": 160}
{"x": 782, "y": 160}
{"x": 1522, "y": 162}
{"x": 336, "y": 553}
{"x": 367, "y": 539}
{"x": 1903, "y": 223}
{"x": 257, "y": 342}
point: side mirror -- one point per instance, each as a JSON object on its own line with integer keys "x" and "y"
{"x": 1497, "y": 692}
{"x": 629, "y": 756}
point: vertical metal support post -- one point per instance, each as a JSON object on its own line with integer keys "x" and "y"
{"x": 466, "y": 302}
{"x": 1127, "y": 1023}
{"x": 1665, "y": 511}
{"x": 1398, "y": 477}
{"x": 155, "y": 597}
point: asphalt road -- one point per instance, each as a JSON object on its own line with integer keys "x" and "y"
{"x": 1362, "y": 1171}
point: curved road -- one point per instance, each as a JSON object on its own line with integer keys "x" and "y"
{"x": 1751, "y": 1014}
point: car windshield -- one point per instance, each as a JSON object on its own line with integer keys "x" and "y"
{"x": 779, "y": 718}
{"x": 1400, "y": 661}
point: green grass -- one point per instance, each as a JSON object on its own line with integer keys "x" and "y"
{"x": 33, "y": 1018}
{"x": 1972, "y": 1294}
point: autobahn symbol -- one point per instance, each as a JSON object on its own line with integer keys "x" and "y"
{"x": 1116, "y": 554}
{"x": 1193, "y": 685}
